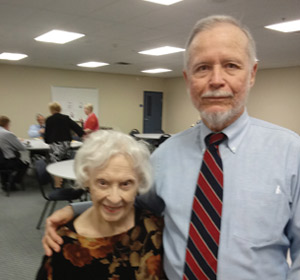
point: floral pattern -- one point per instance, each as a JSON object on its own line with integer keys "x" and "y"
{"x": 135, "y": 254}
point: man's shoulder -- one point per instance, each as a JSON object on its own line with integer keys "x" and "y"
{"x": 184, "y": 135}
{"x": 178, "y": 141}
{"x": 279, "y": 134}
{"x": 271, "y": 127}
{"x": 7, "y": 133}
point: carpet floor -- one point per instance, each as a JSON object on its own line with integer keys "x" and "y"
{"x": 20, "y": 242}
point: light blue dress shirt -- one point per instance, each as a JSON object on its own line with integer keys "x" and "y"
{"x": 34, "y": 129}
{"x": 261, "y": 207}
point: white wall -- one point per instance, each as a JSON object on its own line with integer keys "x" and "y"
{"x": 275, "y": 97}
{"x": 25, "y": 91}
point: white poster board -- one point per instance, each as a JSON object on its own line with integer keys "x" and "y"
{"x": 72, "y": 100}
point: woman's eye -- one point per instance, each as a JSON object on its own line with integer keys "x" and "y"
{"x": 101, "y": 182}
{"x": 126, "y": 184}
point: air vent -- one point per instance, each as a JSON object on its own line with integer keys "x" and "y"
{"x": 123, "y": 63}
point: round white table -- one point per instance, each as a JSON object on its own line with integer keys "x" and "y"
{"x": 39, "y": 144}
{"x": 149, "y": 136}
{"x": 35, "y": 144}
{"x": 63, "y": 169}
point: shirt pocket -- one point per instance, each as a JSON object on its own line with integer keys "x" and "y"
{"x": 260, "y": 217}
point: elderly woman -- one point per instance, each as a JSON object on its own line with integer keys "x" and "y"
{"x": 91, "y": 124}
{"x": 112, "y": 239}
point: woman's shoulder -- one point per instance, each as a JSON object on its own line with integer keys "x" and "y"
{"x": 68, "y": 230}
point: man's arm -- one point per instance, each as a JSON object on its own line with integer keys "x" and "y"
{"x": 151, "y": 201}
{"x": 51, "y": 240}
{"x": 15, "y": 142}
{"x": 293, "y": 232}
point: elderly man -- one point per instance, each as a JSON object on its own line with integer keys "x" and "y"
{"x": 237, "y": 215}
{"x": 10, "y": 147}
{"x": 37, "y": 130}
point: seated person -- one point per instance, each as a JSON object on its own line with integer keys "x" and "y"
{"x": 37, "y": 130}
{"x": 112, "y": 239}
{"x": 10, "y": 147}
{"x": 91, "y": 124}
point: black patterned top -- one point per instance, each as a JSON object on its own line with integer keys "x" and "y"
{"x": 135, "y": 254}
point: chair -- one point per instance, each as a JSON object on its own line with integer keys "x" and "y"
{"x": 162, "y": 139}
{"x": 54, "y": 195}
{"x": 134, "y": 131}
{"x": 8, "y": 172}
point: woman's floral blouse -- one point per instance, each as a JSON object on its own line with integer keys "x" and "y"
{"x": 135, "y": 254}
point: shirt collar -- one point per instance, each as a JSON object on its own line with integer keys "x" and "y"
{"x": 235, "y": 132}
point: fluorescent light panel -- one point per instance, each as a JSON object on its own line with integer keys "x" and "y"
{"x": 288, "y": 26}
{"x": 162, "y": 51}
{"x": 157, "y": 70}
{"x": 92, "y": 64}
{"x": 164, "y": 2}
{"x": 59, "y": 36}
{"x": 12, "y": 56}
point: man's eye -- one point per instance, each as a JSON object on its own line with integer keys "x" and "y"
{"x": 202, "y": 68}
{"x": 232, "y": 66}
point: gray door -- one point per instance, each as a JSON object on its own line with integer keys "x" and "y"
{"x": 152, "y": 112}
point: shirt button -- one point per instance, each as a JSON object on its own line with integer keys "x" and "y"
{"x": 234, "y": 149}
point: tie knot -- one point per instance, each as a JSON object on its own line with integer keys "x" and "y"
{"x": 215, "y": 139}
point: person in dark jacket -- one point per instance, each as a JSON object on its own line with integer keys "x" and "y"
{"x": 58, "y": 135}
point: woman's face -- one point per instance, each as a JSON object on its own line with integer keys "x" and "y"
{"x": 113, "y": 190}
{"x": 87, "y": 111}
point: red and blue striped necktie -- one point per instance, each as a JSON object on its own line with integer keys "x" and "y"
{"x": 204, "y": 233}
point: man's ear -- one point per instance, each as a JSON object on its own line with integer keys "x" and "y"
{"x": 253, "y": 74}
{"x": 186, "y": 78}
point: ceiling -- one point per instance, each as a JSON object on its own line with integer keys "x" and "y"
{"x": 116, "y": 30}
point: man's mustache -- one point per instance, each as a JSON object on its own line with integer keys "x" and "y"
{"x": 216, "y": 93}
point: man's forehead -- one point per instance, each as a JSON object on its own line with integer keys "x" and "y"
{"x": 221, "y": 31}
{"x": 222, "y": 37}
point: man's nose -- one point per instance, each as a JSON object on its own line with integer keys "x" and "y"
{"x": 216, "y": 78}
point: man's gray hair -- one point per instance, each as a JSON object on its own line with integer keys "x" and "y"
{"x": 102, "y": 145}
{"x": 209, "y": 23}
{"x": 38, "y": 115}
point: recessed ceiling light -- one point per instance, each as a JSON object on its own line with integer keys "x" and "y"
{"x": 164, "y": 2}
{"x": 162, "y": 51}
{"x": 59, "y": 36}
{"x": 12, "y": 56}
{"x": 288, "y": 26}
{"x": 157, "y": 70}
{"x": 92, "y": 64}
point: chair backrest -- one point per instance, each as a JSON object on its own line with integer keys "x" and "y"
{"x": 134, "y": 131}
{"x": 2, "y": 158}
{"x": 42, "y": 175}
{"x": 163, "y": 138}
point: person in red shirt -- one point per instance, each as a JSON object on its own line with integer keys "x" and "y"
{"x": 91, "y": 124}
